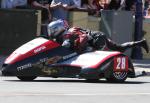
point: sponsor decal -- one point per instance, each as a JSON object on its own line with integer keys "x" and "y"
{"x": 43, "y": 59}
{"x": 53, "y": 60}
{"x": 69, "y": 56}
{"x": 24, "y": 67}
{"x": 120, "y": 64}
{"x": 39, "y": 49}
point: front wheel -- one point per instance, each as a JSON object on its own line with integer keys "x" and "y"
{"x": 117, "y": 77}
{"x": 26, "y": 78}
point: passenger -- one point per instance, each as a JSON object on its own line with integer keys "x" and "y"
{"x": 80, "y": 39}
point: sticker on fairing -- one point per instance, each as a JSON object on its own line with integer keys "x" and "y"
{"x": 121, "y": 64}
{"x": 32, "y": 44}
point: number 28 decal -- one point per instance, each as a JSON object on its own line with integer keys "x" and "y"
{"x": 121, "y": 64}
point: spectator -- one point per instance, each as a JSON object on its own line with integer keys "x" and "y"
{"x": 114, "y": 4}
{"x": 13, "y": 3}
{"x": 146, "y": 4}
{"x": 77, "y": 3}
{"x": 130, "y": 5}
{"x": 95, "y": 6}
{"x": 84, "y": 4}
{"x": 92, "y": 4}
{"x": 44, "y": 5}
{"x": 100, "y": 5}
{"x": 146, "y": 7}
{"x": 148, "y": 13}
{"x": 88, "y": 4}
{"x": 60, "y": 8}
{"x": 104, "y": 3}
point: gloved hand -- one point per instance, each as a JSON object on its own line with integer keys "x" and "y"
{"x": 66, "y": 43}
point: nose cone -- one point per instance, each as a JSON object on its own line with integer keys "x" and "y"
{"x": 6, "y": 71}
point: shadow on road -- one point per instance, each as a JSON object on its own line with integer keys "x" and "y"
{"x": 80, "y": 81}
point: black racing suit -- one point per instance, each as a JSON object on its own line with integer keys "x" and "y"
{"x": 99, "y": 40}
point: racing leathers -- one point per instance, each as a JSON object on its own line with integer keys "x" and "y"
{"x": 79, "y": 39}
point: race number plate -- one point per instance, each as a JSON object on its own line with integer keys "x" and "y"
{"x": 120, "y": 64}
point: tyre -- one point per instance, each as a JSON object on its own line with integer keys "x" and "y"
{"x": 26, "y": 78}
{"x": 117, "y": 77}
{"x": 92, "y": 80}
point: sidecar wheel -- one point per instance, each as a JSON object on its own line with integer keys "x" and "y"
{"x": 117, "y": 77}
{"x": 92, "y": 80}
{"x": 26, "y": 78}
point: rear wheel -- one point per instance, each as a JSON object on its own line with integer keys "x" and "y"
{"x": 117, "y": 77}
{"x": 26, "y": 78}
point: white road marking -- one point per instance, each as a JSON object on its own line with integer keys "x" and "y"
{"x": 72, "y": 94}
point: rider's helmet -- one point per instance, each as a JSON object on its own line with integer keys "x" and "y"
{"x": 57, "y": 28}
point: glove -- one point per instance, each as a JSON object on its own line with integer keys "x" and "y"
{"x": 66, "y": 43}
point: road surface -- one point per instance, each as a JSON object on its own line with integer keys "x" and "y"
{"x": 62, "y": 90}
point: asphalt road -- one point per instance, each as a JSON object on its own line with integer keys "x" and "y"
{"x": 57, "y": 90}
{"x": 62, "y": 90}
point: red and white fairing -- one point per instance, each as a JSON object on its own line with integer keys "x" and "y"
{"x": 95, "y": 59}
{"x": 31, "y": 48}
{"x": 63, "y": 62}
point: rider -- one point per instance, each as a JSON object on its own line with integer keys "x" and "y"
{"x": 79, "y": 39}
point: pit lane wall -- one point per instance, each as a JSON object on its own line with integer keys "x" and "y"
{"x": 17, "y": 26}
